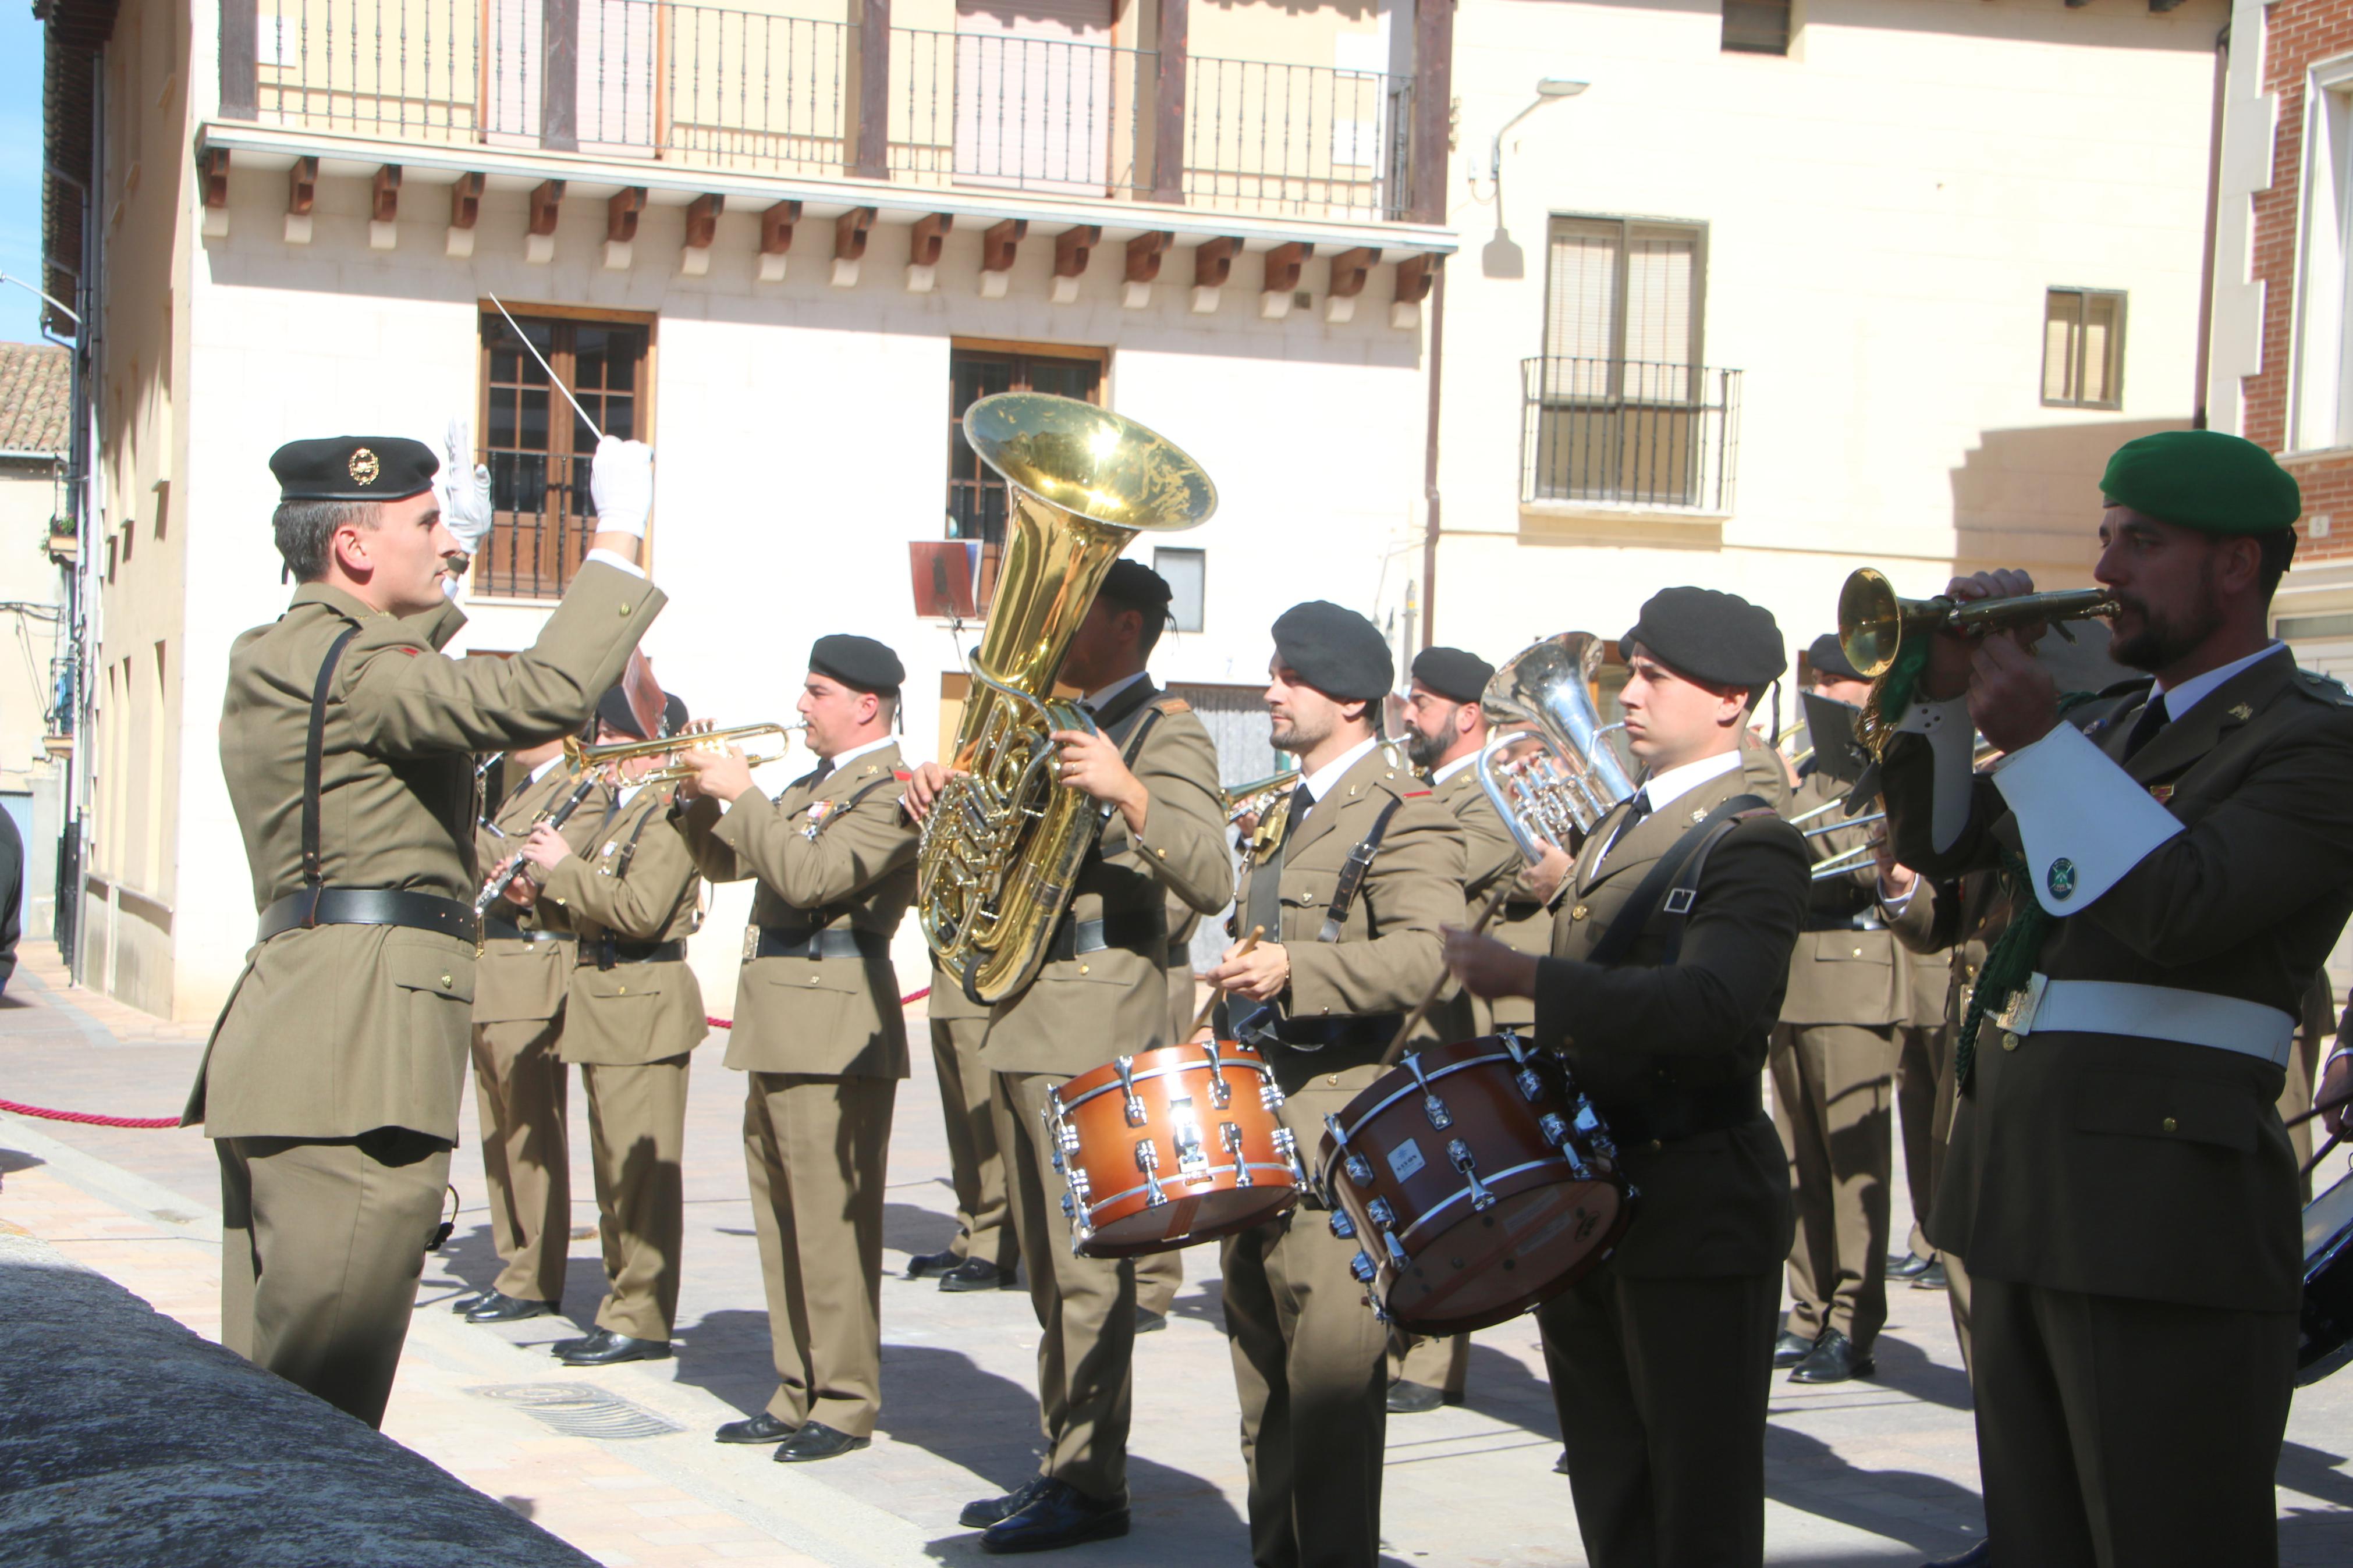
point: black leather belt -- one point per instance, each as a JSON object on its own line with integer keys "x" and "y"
{"x": 1180, "y": 950}
{"x": 788, "y": 942}
{"x": 1686, "y": 1115}
{"x": 1144, "y": 933}
{"x": 1338, "y": 1034}
{"x": 369, "y": 907}
{"x": 607, "y": 951}
{"x": 497, "y": 929}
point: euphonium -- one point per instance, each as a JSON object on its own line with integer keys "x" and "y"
{"x": 1559, "y": 779}
{"x": 1003, "y": 842}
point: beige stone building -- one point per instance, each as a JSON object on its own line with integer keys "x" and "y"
{"x": 36, "y": 616}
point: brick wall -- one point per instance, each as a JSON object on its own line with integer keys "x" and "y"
{"x": 2297, "y": 32}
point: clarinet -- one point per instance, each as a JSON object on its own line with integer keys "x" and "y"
{"x": 495, "y": 888}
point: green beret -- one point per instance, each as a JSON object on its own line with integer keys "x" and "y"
{"x": 2203, "y": 480}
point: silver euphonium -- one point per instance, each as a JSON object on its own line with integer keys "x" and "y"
{"x": 1559, "y": 778}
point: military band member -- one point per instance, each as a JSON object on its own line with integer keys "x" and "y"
{"x": 2120, "y": 1182}
{"x": 1345, "y": 957}
{"x": 1662, "y": 1357}
{"x": 633, "y": 1015}
{"x": 819, "y": 1033}
{"x": 983, "y": 1254}
{"x": 1102, "y": 993}
{"x": 521, "y": 1084}
{"x": 1834, "y": 1069}
{"x": 330, "y": 1085}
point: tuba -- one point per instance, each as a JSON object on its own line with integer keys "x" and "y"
{"x": 1003, "y": 843}
{"x": 1554, "y": 781}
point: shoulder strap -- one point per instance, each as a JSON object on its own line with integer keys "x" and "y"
{"x": 1352, "y": 874}
{"x": 314, "y": 759}
{"x": 1663, "y": 887}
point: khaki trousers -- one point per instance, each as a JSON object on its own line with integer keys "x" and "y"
{"x": 1831, "y": 1092}
{"x": 636, "y": 1139}
{"x": 520, "y": 1087}
{"x": 2129, "y": 1434}
{"x": 976, "y": 1165}
{"x": 815, "y": 1151}
{"x": 1085, "y": 1307}
{"x": 1311, "y": 1367}
{"x": 1921, "y": 1054}
{"x": 321, "y": 1244}
{"x": 1662, "y": 1387}
{"x": 1441, "y": 1363}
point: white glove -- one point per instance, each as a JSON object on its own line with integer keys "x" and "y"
{"x": 465, "y": 490}
{"x": 621, "y": 484}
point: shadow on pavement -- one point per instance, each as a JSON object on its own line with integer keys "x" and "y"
{"x": 18, "y": 1159}
{"x": 1906, "y": 1367}
{"x": 727, "y": 1354}
{"x": 1503, "y": 1388}
{"x": 911, "y": 1228}
{"x": 1803, "y": 1473}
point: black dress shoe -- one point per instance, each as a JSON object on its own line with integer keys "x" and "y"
{"x": 1977, "y": 1556}
{"x": 923, "y": 1265}
{"x": 496, "y": 1308}
{"x": 592, "y": 1339}
{"x": 614, "y": 1350}
{"x": 987, "y": 1511}
{"x": 467, "y": 1304}
{"x": 1932, "y": 1277}
{"x": 1417, "y": 1399}
{"x": 1910, "y": 1266}
{"x": 761, "y": 1429}
{"x": 1790, "y": 1349}
{"x": 1834, "y": 1359}
{"x": 1058, "y": 1515}
{"x": 1148, "y": 1322}
{"x": 816, "y": 1440}
{"x": 977, "y": 1274}
{"x": 1560, "y": 1466}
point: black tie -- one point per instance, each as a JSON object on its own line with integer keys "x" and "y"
{"x": 2152, "y": 719}
{"x": 1635, "y": 812}
{"x": 824, "y": 772}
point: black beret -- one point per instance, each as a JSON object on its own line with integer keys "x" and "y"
{"x": 858, "y": 662}
{"x": 1337, "y": 651}
{"x": 1828, "y": 660}
{"x": 1720, "y": 638}
{"x": 1453, "y": 673}
{"x": 353, "y": 467}
{"x": 613, "y": 712}
{"x": 675, "y": 713}
{"x": 1136, "y": 586}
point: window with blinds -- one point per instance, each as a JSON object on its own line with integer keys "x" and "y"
{"x": 2082, "y": 348}
{"x": 1756, "y": 26}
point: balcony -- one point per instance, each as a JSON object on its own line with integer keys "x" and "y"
{"x": 701, "y": 87}
{"x": 1625, "y": 435}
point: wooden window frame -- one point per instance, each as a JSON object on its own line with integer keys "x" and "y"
{"x": 962, "y": 350}
{"x": 2083, "y": 295}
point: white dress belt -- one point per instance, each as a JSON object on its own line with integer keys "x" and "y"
{"x": 2045, "y": 1005}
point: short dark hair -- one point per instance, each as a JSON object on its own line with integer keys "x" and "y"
{"x": 2279, "y": 550}
{"x": 1153, "y": 620}
{"x": 306, "y": 529}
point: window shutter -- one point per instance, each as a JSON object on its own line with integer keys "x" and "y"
{"x": 1581, "y": 307}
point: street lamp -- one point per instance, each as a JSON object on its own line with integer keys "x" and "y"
{"x": 1549, "y": 89}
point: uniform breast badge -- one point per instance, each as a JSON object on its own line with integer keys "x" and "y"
{"x": 818, "y": 810}
{"x": 2160, "y": 793}
{"x": 2061, "y": 878}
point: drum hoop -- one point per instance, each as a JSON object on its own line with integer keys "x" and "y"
{"x": 1453, "y": 1199}
{"x": 1202, "y": 1066}
{"x": 1142, "y": 1187}
{"x": 1413, "y": 1087}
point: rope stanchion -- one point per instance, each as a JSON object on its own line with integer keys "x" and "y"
{"x": 908, "y": 1000}
{"x": 84, "y": 1118}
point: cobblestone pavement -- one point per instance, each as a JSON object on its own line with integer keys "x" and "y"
{"x": 1876, "y": 1472}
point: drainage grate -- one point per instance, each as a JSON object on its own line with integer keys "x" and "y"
{"x": 581, "y": 1410}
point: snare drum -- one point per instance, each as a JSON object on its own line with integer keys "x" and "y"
{"x": 2325, "y": 1333}
{"x": 1477, "y": 1182}
{"x": 1176, "y": 1146}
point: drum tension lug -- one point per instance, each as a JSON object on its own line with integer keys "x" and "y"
{"x": 1220, "y": 1094}
{"x": 1232, "y": 1135}
{"x": 1398, "y": 1259}
{"x": 1343, "y": 1227}
{"x": 1458, "y": 1152}
{"x": 1362, "y": 1268}
{"x": 1431, "y": 1106}
{"x": 1148, "y": 1160}
{"x": 1126, "y": 1067}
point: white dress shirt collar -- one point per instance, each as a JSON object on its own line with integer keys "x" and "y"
{"x": 1450, "y": 769}
{"x": 2190, "y": 693}
{"x": 1664, "y": 788}
{"x": 540, "y": 772}
{"x": 1099, "y": 700}
{"x": 1319, "y": 783}
{"x": 844, "y": 759}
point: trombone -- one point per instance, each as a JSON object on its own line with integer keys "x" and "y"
{"x": 581, "y": 758}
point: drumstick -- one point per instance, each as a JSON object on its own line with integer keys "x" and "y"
{"x": 2322, "y": 1153}
{"x": 1201, "y": 1018}
{"x": 2319, "y": 1108}
{"x": 1421, "y": 1008}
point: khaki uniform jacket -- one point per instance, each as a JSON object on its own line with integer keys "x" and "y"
{"x": 822, "y": 863}
{"x": 1841, "y": 974}
{"x": 636, "y": 884}
{"x": 337, "y": 1030}
{"x": 1717, "y": 1203}
{"x": 1082, "y": 1012}
{"x": 1489, "y": 855}
{"x": 2081, "y": 1162}
{"x": 519, "y": 981}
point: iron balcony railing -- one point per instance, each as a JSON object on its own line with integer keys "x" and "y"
{"x": 710, "y": 87}
{"x": 1629, "y": 433}
{"x": 540, "y": 522}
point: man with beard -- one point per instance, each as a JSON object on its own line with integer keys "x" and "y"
{"x": 2182, "y": 853}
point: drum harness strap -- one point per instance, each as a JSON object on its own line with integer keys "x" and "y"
{"x": 1352, "y": 873}
{"x": 1672, "y": 884}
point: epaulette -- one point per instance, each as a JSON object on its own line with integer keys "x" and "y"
{"x": 901, "y": 774}
{"x": 1167, "y": 704}
{"x": 2328, "y": 688}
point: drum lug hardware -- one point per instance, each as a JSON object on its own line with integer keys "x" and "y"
{"x": 1081, "y": 1185}
{"x": 1231, "y": 1136}
{"x": 1343, "y": 1227}
{"x": 1126, "y": 1067}
{"x": 1359, "y": 1169}
{"x": 1555, "y": 1130}
{"x": 1069, "y": 1208}
{"x": 1512, "y": 1043}
{"x": 1380, "y": 1313}
{"x": 1398, "y": 1259}
{"x": 1148, "y": 1160}
{"x": 1056, "y": 1157}
{"x": 1596, "y": 1137}
{"x": 1381, "y": 1214}
{"x": 1269, "y": 1094}
{"x": 1431, "y": 1106}
{"x": 1458, "y": 1152}
{"x": 1221, "y": 1094}
{"x": 1287, "y": 1146}
{"x": 1531, "y": 1086}
{"x": 1361, "y": 1268}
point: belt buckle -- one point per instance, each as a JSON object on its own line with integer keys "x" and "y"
{"x": 751, "y": 942}
{"x": 2017, "y": 1014}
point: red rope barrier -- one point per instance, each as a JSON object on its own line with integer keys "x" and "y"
{"x": 86, "y": 1119}
{"x": 908, "y": 1000}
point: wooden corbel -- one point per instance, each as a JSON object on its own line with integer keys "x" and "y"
{"x": 776, "y": 239}
{"x": 301, "y": 195}
{"x": 1073, "y": 248}
{"x": 850, "y": 231}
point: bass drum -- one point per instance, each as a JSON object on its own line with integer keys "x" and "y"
{"x": 2325, "y": 1339}
{"x": 1477, "y": 1182}
{"x": 1176, "y": 1146}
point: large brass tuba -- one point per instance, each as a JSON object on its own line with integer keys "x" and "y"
{"x": 1562, "y": 777}
{"x": 1003, "y": 844}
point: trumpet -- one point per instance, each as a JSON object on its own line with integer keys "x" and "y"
{"x": 1842, "y": 826}
{"x": 1874, "y": 624}
{"x": 581, "y": 758}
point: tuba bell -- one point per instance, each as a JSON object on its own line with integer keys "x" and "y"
{"x": 1557, "y": 779}
{"x": 1003, "y": 843}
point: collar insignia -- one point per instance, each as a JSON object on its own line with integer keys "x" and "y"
{"x": 2160, "y": 793}
{"x": 2241, "y": 711}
